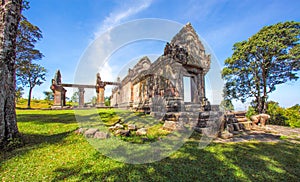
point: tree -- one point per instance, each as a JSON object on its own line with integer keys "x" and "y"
{"x": 227, "y": 105}
{"x": 31, "y": 75}
{"x": 28, "y": 36}
{"x": 48, "y": 95}
{"x": 107, "y": 101}
{"x": 75, "y": 97}
{"x": 28, "y": 73}
{"x": 19, "y": 93}
{"x": 268, "y": 58}
{"x": 9, "y": 19}
{"x": 94, "y": 100}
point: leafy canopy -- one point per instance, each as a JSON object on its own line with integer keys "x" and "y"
{"x": 257, "y": 65}
{"x": 28, "y": 72}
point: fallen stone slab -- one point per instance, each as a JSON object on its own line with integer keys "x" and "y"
{"x": 122, "y": 132}
{"x": 90, "y": 132}
{"x": 101, "y": 135}
{"x": 141, "y": 131}
{"x": 131, "y": 127}
{"x": 119, "y": 126}
{"x": 81, "y": 130}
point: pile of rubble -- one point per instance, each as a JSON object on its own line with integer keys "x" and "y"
{"x": 117, "y": 130}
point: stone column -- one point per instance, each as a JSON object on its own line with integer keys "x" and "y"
{"x": 59, "y": 96}
{"x": 201, "y": 85}
{"x": 194, "y": 89}
{"x": 81, "y": 97}
{"x": 100, "y": 97}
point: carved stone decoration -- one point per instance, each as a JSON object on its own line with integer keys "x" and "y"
{"x": 188, "y": 39}
{"x": 260, "y": 118}
{"x": 57, "y": 78}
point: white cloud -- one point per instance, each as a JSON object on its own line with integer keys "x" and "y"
{"x": 116, "y": 17}
{"x": 121, "y": 14}
{"x": 106, "y": 72}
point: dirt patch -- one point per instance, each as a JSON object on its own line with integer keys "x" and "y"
{"x": 271, "y": 133}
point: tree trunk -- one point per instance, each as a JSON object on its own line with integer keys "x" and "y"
{"x": 264, "y": 97}
{"x": 10, "y": 13}
{"x": 29, "y": 97}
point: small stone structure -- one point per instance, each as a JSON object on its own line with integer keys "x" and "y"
{"x": 59, "y": 91}
{"x": 260, "y": 118}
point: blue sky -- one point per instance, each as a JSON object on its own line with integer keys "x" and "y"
{"x": 70, "y": 26}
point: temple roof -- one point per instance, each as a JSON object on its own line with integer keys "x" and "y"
{"x": 188, "y": 39}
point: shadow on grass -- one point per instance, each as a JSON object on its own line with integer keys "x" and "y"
{"x": 32, "y": 141}
{"x": 218, "y": 162}
{"x": 66, "y": 118}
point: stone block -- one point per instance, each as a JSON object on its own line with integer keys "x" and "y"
{"x": 101, "y": 135}
{"x": 119, "y": 126}
{"x": 141, "y": 131}
{"x": 171, "y": 125}
{"x": 122, "y": 132}
{"x": 131, "y": 127}
{"x": 90, "y": 132}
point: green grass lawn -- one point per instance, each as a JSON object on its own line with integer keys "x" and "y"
{"x": 53, "y": 152}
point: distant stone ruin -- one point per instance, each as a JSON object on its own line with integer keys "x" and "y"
{"x": 59, "y": 91}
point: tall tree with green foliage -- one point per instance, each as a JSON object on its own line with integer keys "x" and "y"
{"x": 31, "y": 75}
{"x": 268, "y": 58}
{"x": 10, "y": 13}
{"x": 227, "y": 105}
{"x": 28, "y": 73}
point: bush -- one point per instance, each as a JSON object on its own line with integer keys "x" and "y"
{"x": 277, "y": 113}
{"x": 251, "y": 111}
{"x": 293, "y": 115}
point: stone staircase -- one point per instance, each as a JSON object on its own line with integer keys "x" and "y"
{"x": 236, "y": 122}
{"x": 192, "y": 115}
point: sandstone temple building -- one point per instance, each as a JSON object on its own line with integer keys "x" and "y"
{"x": 171, "y": 89}
{"x": 173, "y": 82}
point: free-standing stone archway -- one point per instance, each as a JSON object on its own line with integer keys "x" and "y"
{"x": 59, "y": 91}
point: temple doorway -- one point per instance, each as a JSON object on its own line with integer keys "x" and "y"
{"x": 187, "y": 90}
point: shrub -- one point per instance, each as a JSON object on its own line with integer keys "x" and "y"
{"x": 277, "y": 114}
{"x": 251, "y": 111}
{"x": 293, "y": 115}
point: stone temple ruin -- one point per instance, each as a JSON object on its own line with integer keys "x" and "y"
{"x": 184, "y": 58}
{"x": 172, "y": 88}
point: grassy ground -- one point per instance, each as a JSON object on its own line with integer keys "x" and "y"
{"x": 34, "y": 104}
{"x": 53, "y": 152}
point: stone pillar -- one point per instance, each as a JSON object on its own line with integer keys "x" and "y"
{"x": 81, "y": 97}
{"x": 194, "y": 89}
{"x": 59, "y": 96}
{"x": 100, "y": 97}
{"x": 201, "y": 85}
